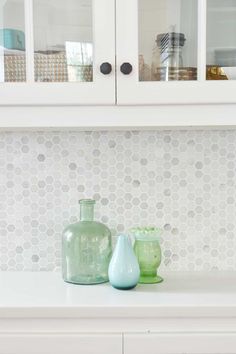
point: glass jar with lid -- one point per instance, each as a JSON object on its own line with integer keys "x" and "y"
{"x": 169, "y": 57}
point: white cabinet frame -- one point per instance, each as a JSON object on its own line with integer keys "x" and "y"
{"x": 140, "y": 105}
{"x": 100, "y": 91}
{"x": 130, "y": 91}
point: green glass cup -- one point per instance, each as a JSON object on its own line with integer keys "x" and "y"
{"x": 148, "y": 252}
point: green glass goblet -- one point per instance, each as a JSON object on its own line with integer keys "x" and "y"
{"x": 148, "y": 252}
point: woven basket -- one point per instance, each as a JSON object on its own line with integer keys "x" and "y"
{"x": 48, "y": 68}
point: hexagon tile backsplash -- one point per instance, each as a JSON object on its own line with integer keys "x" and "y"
{"x": 182, "y": 181}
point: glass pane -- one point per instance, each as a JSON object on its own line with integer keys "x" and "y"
{"x": 221, "y": 40}
{"x": 63, "y": 36}
{"x": 168, "y": 40}
{"x": 12, "y": 41}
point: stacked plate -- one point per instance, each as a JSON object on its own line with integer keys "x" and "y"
{"x": 176, "y": 74}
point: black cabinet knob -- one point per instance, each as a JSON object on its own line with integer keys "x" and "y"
{"x": 106, "y": 68}
{"x": 126, "y": 68}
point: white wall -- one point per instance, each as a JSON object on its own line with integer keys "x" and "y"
{"x": 221, "y": 26}
{"x": 13, "y": 14}
{"x": 55, "y": 21}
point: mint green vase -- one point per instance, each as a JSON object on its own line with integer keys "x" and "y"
{"x": 124, "y": 269}
{"x": 86, "y": 248}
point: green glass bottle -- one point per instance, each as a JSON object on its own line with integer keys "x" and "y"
{"x": 86, "y": 248}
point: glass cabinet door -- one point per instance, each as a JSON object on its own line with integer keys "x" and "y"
{"x": 12, "y": 41}
{"x": 57, "y": 52}
{"x": 167, "y": 40}
{"x": 63, "y": 40}
{"x": 161, "y": 42}
{"x": 221, "y": 40}
{"x": 170, "y": 51}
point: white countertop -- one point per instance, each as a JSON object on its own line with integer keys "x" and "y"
{"x": 45, "y": 294}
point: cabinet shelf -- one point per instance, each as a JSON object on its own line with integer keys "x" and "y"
{"x": 228, "y": 9}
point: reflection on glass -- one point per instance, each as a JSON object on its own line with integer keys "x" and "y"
{"x": 12, "y": 41}
{"x": 82, "y": 53}
{"x": 221, "y": 40}
{"x": 63, "y": 40}
{"x": 168, "y": 40}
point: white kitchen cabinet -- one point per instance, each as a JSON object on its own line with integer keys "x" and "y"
{"x": 61, "y": 344}
{"x": 51, "y": 52}
{"x": 180, "y": 343}
{"x": 113, "y": 64}
{"x": 107, "y": 344}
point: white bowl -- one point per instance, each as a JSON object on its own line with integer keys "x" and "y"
{"x": 230, "y": 72}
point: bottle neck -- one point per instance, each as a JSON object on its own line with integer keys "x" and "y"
{"x": 86, "y": 212}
